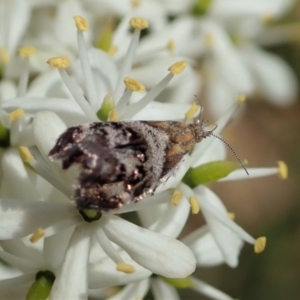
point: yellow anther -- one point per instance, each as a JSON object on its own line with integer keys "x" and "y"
{"x": 139, "y": 23}
{"x": 241, "y": 98}
{"x": 81, "y": 23}
{"x": 16, "y": 114}
{"x": 176, "y": 197}
{"x": 231, "y": 216}
{"x": 138, "y": 298}
{"x": 282, "y": 170}
{"x": 134, "y": 85}
{"x": 194, "y": 205}
{"x": 125, "y": 268}
{"x": 4, "y": 56}
{"x": 178, "y": 67}
{"x": 267, "y": 18}
{"x": 192, "y": 111}
{"x": 260, "y": 244}
{"x": 113, "y": 116}
{"x": 171, "y": 45}
{"x": 135, "y": 3}
{"x": 209, "y": 40}
{"x": 59, "y": 62}
{"x": 26, "y": 51}
{"x": 25, "y": 154}
{"x": 37, "y": 235}
{"x": 112, "y": 50}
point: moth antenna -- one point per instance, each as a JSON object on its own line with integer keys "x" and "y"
{"x": 230, "y": 147}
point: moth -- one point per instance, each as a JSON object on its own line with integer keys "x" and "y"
{"x": 122, "y": 162}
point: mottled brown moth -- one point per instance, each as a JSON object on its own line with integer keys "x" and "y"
{"x": 122, "y": 162}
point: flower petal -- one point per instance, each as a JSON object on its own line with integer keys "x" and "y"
{"x": 227, "y": 240}
{"x": 72, "y": 280}
{"x": 15, "y": 174}
{"x": 19, "y": 218}
{"x": 105, "y": 274}
{"x": 208, "y": 290}
{"x": 162, "y": 290}
{"x": 274, "y": 77}
{"x": 155, "y": 252}
{"x": 136, "y": 290}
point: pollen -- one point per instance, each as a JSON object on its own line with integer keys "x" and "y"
{"x": 139, "y": 23}
{"x": 125, "y": 268}
{"x": 260, "y": 244}
{"x": 231, "y": 216}
{"x": 171, "y": 46}
{"x": 176, "y": 197}
{"x": 133, "y": 85}
{"x": 112, "y": 50}
{"x": 26, "y": 51}
{"x": 241, "y": 98}
{"x": 25, "y": 154}
{"x": 4, "y": 56}
{"x": 194, "y": 205}
{"x": 16, "y": 114}
{"x": 178, "y": 67}
{"x": 135, "y": 3}
{"x": 37, "y": 235}
{"x": 192, "y": 111}
{"x": 81, "y": 23}
{"x": 113, "y": 116}
{"x": 59, "y": 62}
{"x": 282, "y": 170}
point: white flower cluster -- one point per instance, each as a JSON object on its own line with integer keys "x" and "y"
{"x": 57, "y": 251}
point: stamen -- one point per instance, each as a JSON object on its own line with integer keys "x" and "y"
{"x": 178, "y": 67}
{"x": 113, "y": 116}
{"x": 4, "y": 56}
{"x": 107, "y": 246}
{"x": 260, "y": 244}
{"x": 139, "y": 23}
{"x": 134, "y": 85}
{"x": 37, "y": 235}
{"x": 194, "y": 205}
{"x": 125, "y": 268}
{"x": 25, "y": 154}
{"x": 26, "y": 51}
{"x": 171, "y": 46}
{"x": 44, "y": 171}
{"x": 16, "y": 114}
{"x": 241, "y": 98}
{"x": 282, "y": 170}
{"x": 192, "y": 111}
{"x": 81, "y": 23}
{"x": 123, "y": 102}
{"x": 231, "y": 216}
{"x": 155, "y": 91}
{"x": 112, "y": 50}
{"x": 59, "y": 62}
{"x": 176, "y": 197}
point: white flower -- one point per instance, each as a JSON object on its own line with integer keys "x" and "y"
{"x": 158, "y": 253}
{"x": 227, "y": 35}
